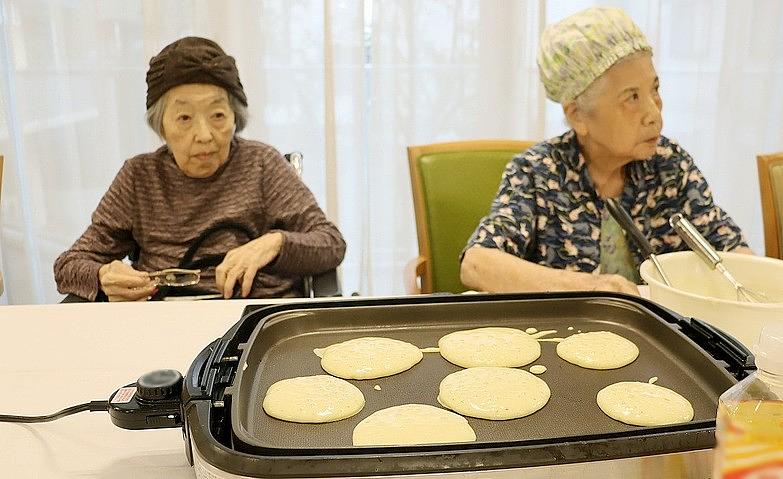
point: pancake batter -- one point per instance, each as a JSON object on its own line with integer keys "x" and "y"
{"x": 313, "y": 399}
{"x": 412, "y": 424}
{"x": 493, "y": 393}
{"x": 644, "y": 404}
{"x": 369, "y": 358}
{"x": 499, "y": 347}
{"x": 598, "y": 350}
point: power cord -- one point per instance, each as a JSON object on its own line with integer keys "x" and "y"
{"x": 92, "y": 406}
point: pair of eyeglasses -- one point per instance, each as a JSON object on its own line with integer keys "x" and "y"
{"x": 176, "y": 277}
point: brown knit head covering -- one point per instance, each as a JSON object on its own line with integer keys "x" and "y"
{"x": 192, "y": 60}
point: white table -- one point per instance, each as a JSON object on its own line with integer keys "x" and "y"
{"x": 55, "y": 356}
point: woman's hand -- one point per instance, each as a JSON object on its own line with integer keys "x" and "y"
{"x": 612, "y": 282}
{"x": 244, "y": 262}
{"x": 121, "y": 282}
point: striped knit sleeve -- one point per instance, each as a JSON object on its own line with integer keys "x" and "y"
{"x": 107, "y": 238}
{"x": 311, "y": 243}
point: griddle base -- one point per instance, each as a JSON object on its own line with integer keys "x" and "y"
{"x": 691, "y": 464}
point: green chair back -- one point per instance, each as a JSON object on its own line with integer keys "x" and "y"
{"x": 456, "y": 189}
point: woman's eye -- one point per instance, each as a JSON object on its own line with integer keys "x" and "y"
{"x": 183, "y": 118}
{"x": 635, "y": 96}
{"x": 220, "y": 115}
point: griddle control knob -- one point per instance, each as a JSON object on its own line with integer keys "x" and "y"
{"x": 160, "y": 384}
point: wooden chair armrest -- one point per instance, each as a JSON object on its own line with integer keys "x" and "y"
{"x": 414, "y": 275}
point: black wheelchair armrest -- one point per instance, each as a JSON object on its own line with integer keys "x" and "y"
{"x": 323, "y": 285}
{"x": 72, "y": 298}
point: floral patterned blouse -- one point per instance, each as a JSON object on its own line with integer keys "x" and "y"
{"x": 547, "y": 210}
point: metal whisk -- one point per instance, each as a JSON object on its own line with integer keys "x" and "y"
{"x": 707, "y": 253}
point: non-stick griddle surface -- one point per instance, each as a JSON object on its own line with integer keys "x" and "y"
{"x": 283, "y": 348}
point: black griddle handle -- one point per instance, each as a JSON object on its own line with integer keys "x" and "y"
{"x": 739, "y": 360}
{"x": 198, "y": 380}
{"x": 718, "y": 343}
{"x": 721, "y": 345}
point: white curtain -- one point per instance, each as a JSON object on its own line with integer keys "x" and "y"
{"x": 350, "y": 83}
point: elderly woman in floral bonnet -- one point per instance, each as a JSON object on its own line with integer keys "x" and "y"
{"x": 205, "y": 175}
{"x": 548, "y": 228}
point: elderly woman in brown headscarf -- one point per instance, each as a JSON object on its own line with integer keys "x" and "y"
{"x": 203, "y": 177}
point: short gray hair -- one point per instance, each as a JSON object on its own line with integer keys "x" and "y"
{"x": 586, "y": 100}
{"x": 155, "y": 114}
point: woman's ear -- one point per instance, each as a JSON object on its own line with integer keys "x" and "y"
{"x": 576, "y": 118}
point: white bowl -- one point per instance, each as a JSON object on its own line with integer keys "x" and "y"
{"x": 699, "y": 292}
